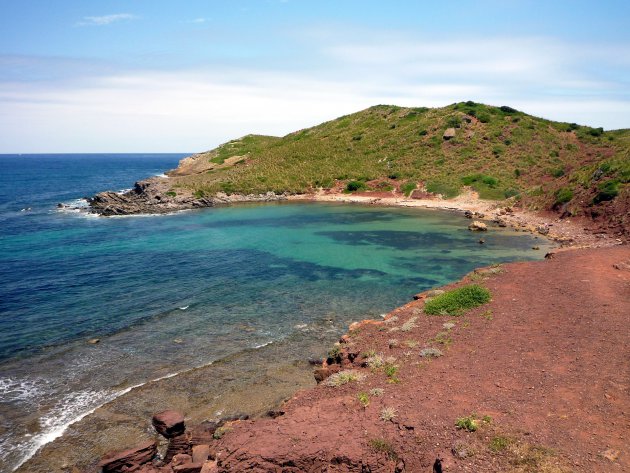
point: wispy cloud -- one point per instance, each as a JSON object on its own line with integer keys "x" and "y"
{"x": 105, "y": 20}
{"x": 198, "y": 20}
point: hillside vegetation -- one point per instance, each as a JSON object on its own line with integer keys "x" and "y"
{"x": 498, "y": 151}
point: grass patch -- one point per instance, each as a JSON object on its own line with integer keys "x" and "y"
{"x": 344, "y": 377}
{"x": 498, "y": 444}
{"x": 364, "y": 399}
{"x": 388, "y": 414}
{"x": 409, "y": 324}
{"x": 469, "y": 423}
{"x": 383, "y": 446}
{"x": 457, "y": 301}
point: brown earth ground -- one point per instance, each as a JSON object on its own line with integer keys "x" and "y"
{"x": 546, "y": 360}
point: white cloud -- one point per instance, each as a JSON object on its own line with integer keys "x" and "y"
{"x": 105, "y": 19}
{"x": 198, "y": 20}
{"x": 196, "y": 109}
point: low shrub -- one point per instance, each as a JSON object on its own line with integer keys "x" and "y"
{"x": 408, "y": 187}
{"x": 388, "y": 413}
{"x": 468, "y": 423}
{"x": 354, "y": 186}
{"x": 456, "y": 301}
{"x": 383, "y": 446}
{"x": 563, "y": 196}
{"x": 607, "y": 191}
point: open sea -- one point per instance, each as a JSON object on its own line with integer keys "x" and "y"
{"x": 171, "y": 295}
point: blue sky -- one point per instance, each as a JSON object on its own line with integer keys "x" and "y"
{"x": 167, "y": 76}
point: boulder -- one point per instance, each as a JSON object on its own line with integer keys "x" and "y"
{"x": 321, "y": 374}
{"x": 477, "y": 226}
{"x": 169, "y": 423}
{"x": 468, "y": 214}
{"x": 449, "y": 133}
{"x": 119, "y": 462}
{"x": 200, "y": 453}
{"x": 180, "y": 459}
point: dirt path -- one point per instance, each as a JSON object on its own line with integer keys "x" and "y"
{"x": 547, "y": 360}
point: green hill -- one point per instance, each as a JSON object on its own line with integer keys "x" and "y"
{"x": 498, "y": 151}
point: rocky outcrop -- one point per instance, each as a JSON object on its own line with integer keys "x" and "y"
{"x": 155, "y": 196}
{"x": 129, "y": 460}
{"x": 448, "y": 134}
{"x": 169, "y": 423}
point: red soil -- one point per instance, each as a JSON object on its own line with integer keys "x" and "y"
{"x": 547, "y": 359}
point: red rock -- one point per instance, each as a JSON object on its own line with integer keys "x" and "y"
{"x": 176, "y": 445}
{"x": 188, "y": 468}
{"x": 180, "y": 459}
{"x": 169, "y": 423}
{"x": 200, "y": 453}
{"x": 321, "y": 374}
{"x": 210, "y": 467}
{"x": 119, "y": 462}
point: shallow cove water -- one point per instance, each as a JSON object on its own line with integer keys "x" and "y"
{"x": 245, "y": 294}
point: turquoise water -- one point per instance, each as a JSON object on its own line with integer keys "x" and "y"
{"x": 168, "y": 293}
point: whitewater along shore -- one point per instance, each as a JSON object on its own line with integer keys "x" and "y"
{"x": 536, "y": 379}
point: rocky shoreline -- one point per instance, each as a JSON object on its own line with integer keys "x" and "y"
{"x": 152, "y": 196}
{"x": 508, "y": 386}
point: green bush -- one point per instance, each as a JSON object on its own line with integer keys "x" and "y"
{"x": 607, "y": 191}
{"x": 596, "y": 131}
{"x": 454, "y": 122}
{"x": 456, "y": 301}
{"x": 353, "y": 186}
{"x": 559, "y": 172}
{"x": 408, "y": 187}
{"x": 508, "y": 110}
{"x": 483, "y": 117}
{"x": 171, "y": 193}
{"x": 422, "y": 132}
{"x": 467, "y": 423}
{"x": 481, "y": 178}
{"x": 563, "y": 196}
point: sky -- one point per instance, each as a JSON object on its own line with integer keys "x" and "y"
{"x": 185, "y": 76}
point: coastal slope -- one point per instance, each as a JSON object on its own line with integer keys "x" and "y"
{"x": 541, "y": 370}
{"x": 498, "y": 152}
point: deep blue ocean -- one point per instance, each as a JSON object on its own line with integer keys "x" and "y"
{"x": 168, "y": 293}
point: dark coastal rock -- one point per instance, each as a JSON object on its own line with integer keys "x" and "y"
{"x": 169, "y": 423}
{"x": 155, "y": 196}
{"x": 468, "y": 214}
{"x": 127, "y": 460}
{"x": 273, "y": 413}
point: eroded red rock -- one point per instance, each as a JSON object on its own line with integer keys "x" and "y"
{"x": 120, "y": 462}
{"x": 169, "y": 423}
